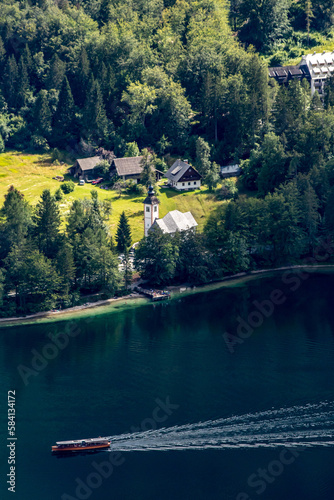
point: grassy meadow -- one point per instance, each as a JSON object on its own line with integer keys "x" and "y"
{"x": 32, "y": 173}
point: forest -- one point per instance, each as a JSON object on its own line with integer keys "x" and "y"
{"x": 186, "y": 78}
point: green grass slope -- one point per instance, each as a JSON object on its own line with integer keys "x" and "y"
{"x": 32, "y": 173}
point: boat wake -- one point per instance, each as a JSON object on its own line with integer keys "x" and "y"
{"x": 311, "y": 425}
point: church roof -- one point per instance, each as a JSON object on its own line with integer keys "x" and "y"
{"x": 176, "y": 221}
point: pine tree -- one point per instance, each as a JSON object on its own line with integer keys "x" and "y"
{"x": 17, "y": 215}
{"x": 65, "y": 113}
{"x": 212, "y": 178}
{"x": 2, "y": 54}
{"x": 131, "y": 149}
{"x": 11, "y": 82}
{"x": 127, "y": 270}
{"x": 81, "y": 79}
{"x": 123, "y": 235}
{"x": 107, "y": 81}
{"x": 47, "y": 223}
{"x": 65, "y": 267}
{"x": 27, "y": 58}
{"x": 42, "y": 115}
{"x": 23, "y": 86}
{"x": 203, "y": 162}
{"x": 309, "y": 15}
{"x": 95, "y": 118}
{"x": 56, "y": 73}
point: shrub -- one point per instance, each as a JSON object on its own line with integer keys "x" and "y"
{"x": 228, "y": 190}
{"x": 39, "y": 143}
{"x": 58, "y": 195}
{"x": 103, "y": 167}
{"x": 2, "y": 145}
{"x": 67, "y": 187}
{"x": 140, "y": 190}
{"x": 56, "y": 155}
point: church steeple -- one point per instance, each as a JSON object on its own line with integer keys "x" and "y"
{"x": 151, "y": 209}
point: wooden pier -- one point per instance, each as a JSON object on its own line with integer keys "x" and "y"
{"x": 154, "y": 295}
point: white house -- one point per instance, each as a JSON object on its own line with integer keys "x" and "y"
{"x": 183, "y": 176}
{"x": 230, "y": 170}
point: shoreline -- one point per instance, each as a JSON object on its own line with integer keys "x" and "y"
{"x": 176, "y": 290}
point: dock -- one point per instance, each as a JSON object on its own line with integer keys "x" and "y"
{"x": 154, "y": 295}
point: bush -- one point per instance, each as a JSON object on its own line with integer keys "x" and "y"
{"x": 39, "y": 143}
{"x": 67, "y": 187}
{"x": 140, "y": 190}
{"x": 2, "y": 145}
{"x": 161, "y": 165}
{"x": 56, "y": 156}
{"x": 133, "y": 188}
{"x": 103, "y": 168}
{"x": 58, "y": 195}
{"x": 228, "y": 190}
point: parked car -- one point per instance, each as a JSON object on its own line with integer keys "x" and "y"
{"x": 81, "y": 182}
{"x": 97, "y": 181}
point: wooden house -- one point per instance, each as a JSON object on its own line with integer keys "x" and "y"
{"x": 83, "y": 168}
{"x": 129, "y": 168}
{"x": 183, "y": 176}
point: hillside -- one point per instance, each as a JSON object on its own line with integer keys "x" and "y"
{"x": 32, "y": 173}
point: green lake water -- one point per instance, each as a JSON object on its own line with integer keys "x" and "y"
{"x": 191, "y": 412}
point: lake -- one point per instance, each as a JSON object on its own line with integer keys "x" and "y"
{"x": 223, "y": 394}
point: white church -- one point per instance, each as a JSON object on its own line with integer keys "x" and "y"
{"x": 172, "y": 222}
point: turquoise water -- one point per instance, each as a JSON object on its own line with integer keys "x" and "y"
{"x": 192, "y": 413}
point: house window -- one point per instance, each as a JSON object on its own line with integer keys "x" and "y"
{"x": 194, "y": 183}
{"x": 182, "y": 183}
{"x": 147, "y": 209}
{"x": 189, "y": 183}
{"x": 155, "y": 208}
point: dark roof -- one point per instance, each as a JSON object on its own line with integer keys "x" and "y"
{"x": 285, "y": 73}
{"x": 151, "y": 199}
{"x": 178, "y": 169}
{"x": 128, "y": 166}
{"x": 88, "y": 163}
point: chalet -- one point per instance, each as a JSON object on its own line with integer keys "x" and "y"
{"x": 175, "y": 221}
{"x": 182, "y": 176}
{"x": 129, "y": 168}
{"x": 231, "y": 170}
{"x": 84, "y": 167}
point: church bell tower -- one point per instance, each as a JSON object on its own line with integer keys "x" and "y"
{"x": 151, "y": 210}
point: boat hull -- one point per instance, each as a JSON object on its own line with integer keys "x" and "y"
{"x": 71, "y": 449}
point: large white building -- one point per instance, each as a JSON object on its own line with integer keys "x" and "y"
{"x": 320, "y": 67}
{"x": 316, "y": 68}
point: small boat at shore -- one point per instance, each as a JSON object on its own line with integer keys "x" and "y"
{"x": 80, "y": 445}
